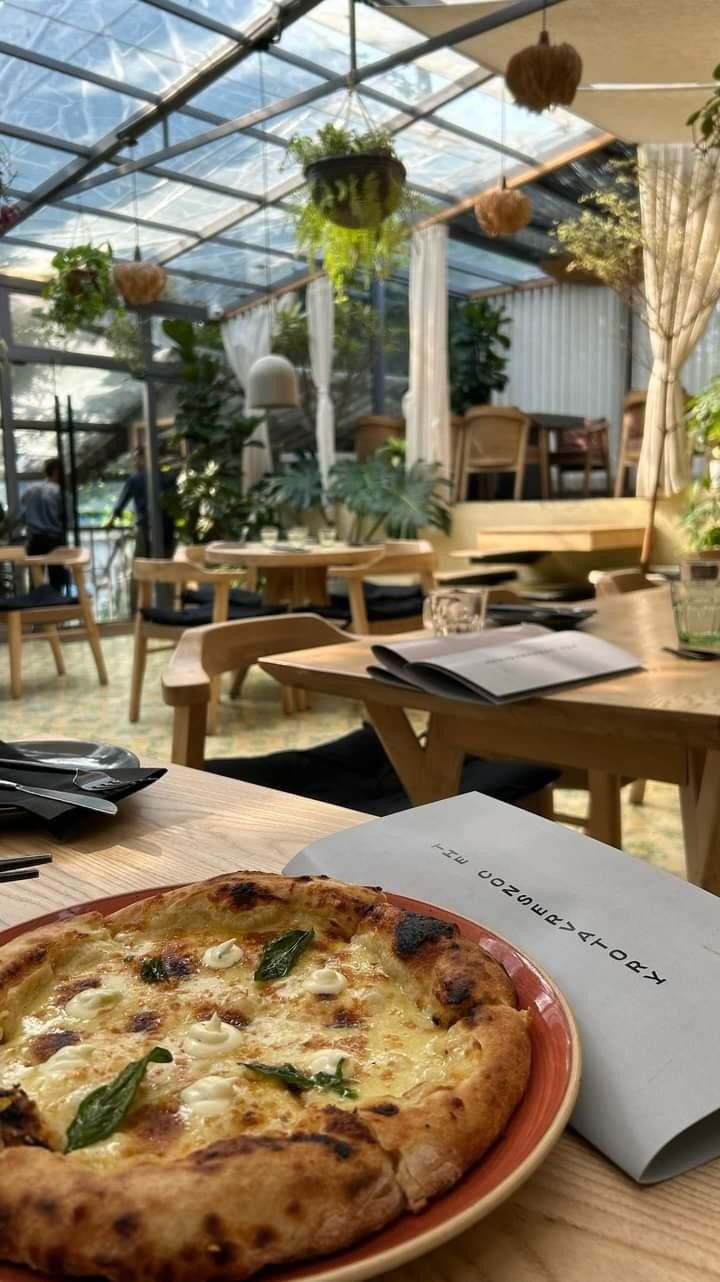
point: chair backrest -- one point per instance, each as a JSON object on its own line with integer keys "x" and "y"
{"x": 404, "y": 556}
{"x": 156, "y": 570}
{"x": 633, "y": 419}
{"x": 495, "y": 438}
{"x": 225, "y": 647}
{"x": 612, "y": 582}
{"x": 191, "y": 554}
{"x": 76, "y": 560}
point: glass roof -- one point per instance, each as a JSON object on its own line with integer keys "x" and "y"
{"x": 80, "y": 81}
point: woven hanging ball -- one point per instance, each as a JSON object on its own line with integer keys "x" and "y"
{"x": 502, "y": 212}
{"x": 544, "y": 75}
{"x": 139, "y": 282}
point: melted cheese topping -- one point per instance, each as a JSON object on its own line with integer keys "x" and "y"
{"x": 338, "y": 1003}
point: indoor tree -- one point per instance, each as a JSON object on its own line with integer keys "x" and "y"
{"x": 478, "y": 347}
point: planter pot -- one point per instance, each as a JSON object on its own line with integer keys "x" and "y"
{"x": 358, "y": 190}
{"x": 81, "y": 280}
{"x": 139, "y": 282}
{"x": 372, "y": 431}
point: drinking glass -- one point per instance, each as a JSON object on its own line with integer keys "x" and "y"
{"x": 449, "y": 611}
{"x": 269, "y": 535}
{"x": 298, "y": 536}
{"x": 696, "y": 605}
{"x": 327, "y": 536}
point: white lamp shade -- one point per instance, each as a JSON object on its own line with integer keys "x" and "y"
{"x": 272, "y": 384}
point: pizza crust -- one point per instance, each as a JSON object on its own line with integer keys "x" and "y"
{"x": 337, "y": 1171}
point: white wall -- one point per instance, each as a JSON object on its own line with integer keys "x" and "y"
{"x": 704, "y": 362}
{"x": 568, "y": 353}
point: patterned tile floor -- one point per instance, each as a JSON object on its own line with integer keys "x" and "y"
{"x": 76, "y": 706}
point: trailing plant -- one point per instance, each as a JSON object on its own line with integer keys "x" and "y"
{"x": 703, "y": 415}
{"x": 385, "y": 495}
{"x": 81, "y": 290}
{"x": 356, "y": 210}
{"x": 211, "y": 434}
{"x": 477, "y": 350}
{"x": 705, "y": 122}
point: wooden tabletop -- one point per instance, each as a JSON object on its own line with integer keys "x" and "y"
{"x": 577, "y": 1218}
{"x": 553, "y": 538}
{"x": 271, "y": 558}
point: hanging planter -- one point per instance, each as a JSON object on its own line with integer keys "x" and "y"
{"x": 544, "y": 75}
{"x": 355, "y": 180}
{"x": 81, "y": 291}
{"x": 139, "y": 282}
{"x": 502, "y": 211}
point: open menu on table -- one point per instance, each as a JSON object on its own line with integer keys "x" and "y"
{"x": 635, "y": 950}
{"x": 499, "y": 666}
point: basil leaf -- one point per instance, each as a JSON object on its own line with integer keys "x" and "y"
{"x": 297, "y": 1081}
{"x": 281, "y": 953}
{"x": 154, "y": 971}
{"x": 104, "y": 1109}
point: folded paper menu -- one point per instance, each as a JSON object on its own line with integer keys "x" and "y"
{"x": 635, "y": 950}
{"x": 499, "y": 666}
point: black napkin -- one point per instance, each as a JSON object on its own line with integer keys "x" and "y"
{"x": 56, "y": 814}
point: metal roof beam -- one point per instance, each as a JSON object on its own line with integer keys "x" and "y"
{"x": 514, "y": 11}
{"x": 259, "y": 36}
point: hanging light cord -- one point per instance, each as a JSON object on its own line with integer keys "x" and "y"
{"x": 265, "y": 180}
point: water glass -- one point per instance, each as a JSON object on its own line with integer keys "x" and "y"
{"x": 455, "y": 610}
{"x": 327, "y": 536}
{"x": 696, "y": 605}
{"x": 298, "y": 536}
{"x": 269, "y": 535}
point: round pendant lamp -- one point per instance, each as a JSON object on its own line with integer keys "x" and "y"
{"x": 272, "y": 384}
{"x": 272, "y": 381}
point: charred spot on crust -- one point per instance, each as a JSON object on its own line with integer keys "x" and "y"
{"x": 293, "y": 1209}
{"x": 64, "y": 992}
{"x": 414, "y": 930}
{"x": 385, "y": 1110}
{"x": 213, "y": 1225}
{"x": 239, "y": 1144}
{"x": 343, "y": 1017}
{"x": 33, "y": 957}
{"x": 146, "y": 1021}
{"x": 338, "y": 1147}
{"x": 457, "y": 1102}
{"x": 456, "y": 991}
{"x": 304, "y": 876}
{"x": 228, "y": 1014}
{"x": 126, "y": 1225}
{"x": 46, "y": 1044}
{"x": 20, "y": 1121}
{"x": 348, "y": 1125}
{"x": 246, "y": 894}
{"x": 46, "y": 1206}
{"x": 79, "y": 1213}
{"x": 264, "y": 1235}
{"x": 178, "y": 965}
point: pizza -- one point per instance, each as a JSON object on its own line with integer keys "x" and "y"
{"x": 242, "y": 1072}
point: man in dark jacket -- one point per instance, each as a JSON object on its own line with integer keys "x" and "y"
{"x": 42, "y": 509}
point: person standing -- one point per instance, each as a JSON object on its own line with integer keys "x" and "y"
{"x": 42, "y": 510}
{"x": 135, "y": 491}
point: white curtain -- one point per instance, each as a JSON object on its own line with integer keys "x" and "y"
{"x": 321, "y": 335}
{"x": 427, "y": 405}
{"x": 680, "y": 212}
{"x": 247, "y": 337}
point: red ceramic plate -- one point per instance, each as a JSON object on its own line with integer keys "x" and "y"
{"x": 534, "y": 1128}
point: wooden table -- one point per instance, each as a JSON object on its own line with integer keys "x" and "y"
{"x": 577, "y": 1218}
{"x": 663, "y": 723}
{"x": 553, "y": 538}
{"x": 296, "y": 577}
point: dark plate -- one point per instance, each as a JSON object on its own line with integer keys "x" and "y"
{"x": 83, "y": 754}
{"x": 557, "y": 617}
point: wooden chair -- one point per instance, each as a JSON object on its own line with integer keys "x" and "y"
{"x": 47, "y": 617}
{"x": 631, "y": 435}
{"x": 390, "y": 609}
{"x": 583, "y": 449}
{"x": 152, "y": 621}
{"x": 203, "y": 654}
{"x": 493, "y": 439}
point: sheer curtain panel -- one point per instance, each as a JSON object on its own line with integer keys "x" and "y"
{"x": 321, "y": 335}
{"x": 427, "y": 406}
{"x": 246, "y": 338}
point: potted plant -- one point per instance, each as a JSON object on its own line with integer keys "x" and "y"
{"x": 387, "y": 497}
{"x": 81, "y": 290}
{"x": 355, "y": 215}
{"x": 703, "y": 416}
{"x": 477, "y": 350}
{"x": 354, "y": 179}
{"x": 701, "y": 518}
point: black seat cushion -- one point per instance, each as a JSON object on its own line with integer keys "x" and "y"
{"x": 355, "y": 771}
{"x": 36, "y": 598}
{"x": 203, "y": 595}
{"x": 198, "y": 615}
{"x": 381, "y": 603}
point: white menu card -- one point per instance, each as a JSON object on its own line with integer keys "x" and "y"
{"x": 635, "y": 950}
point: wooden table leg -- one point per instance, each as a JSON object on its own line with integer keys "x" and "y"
{"x": 427, "y": 774}
{"x": 700, "y": 805}
{"x": 605, "y": 822}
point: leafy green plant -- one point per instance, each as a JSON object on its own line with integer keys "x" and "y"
{"x": 384, "y": 494}
{"x": 211, "y": 434}
{"x": 477, "y": 350}
{"x": 284, "y": 497}
{"x": 705, "y": 122}
{"x": 333, "y": 140}
{"x": 81, "y": 290}
{"x": 703, "y": 415}
{"x": 607, "y": 239}
{"x": 701, "y": 518}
